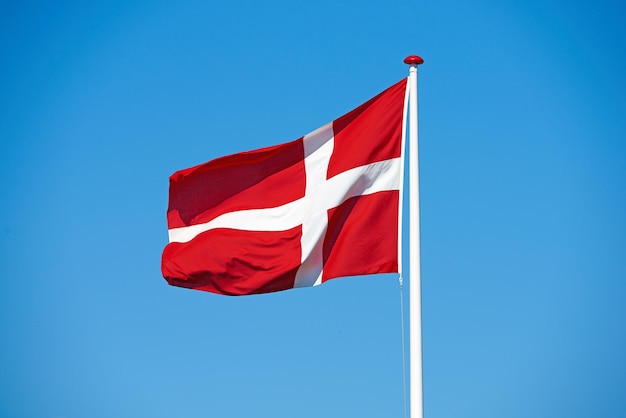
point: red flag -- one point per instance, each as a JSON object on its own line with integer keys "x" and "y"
{"x": 293, "y": 215}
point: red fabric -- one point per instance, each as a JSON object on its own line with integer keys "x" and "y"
{"x": 232, "y": 262}
{"x": 361, "y": 235}
{"x": 377, "y": 118}
{"x": 266, "y": 177}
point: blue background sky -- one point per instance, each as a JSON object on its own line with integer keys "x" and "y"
{"x": 523, "y": 165}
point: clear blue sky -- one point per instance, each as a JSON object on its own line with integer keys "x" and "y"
{"x": 523, "y": 165}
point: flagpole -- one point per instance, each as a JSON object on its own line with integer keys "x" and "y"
{"x": 415, "y": 292}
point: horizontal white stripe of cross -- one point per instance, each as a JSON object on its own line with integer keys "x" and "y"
{"x": 311, "y": 210}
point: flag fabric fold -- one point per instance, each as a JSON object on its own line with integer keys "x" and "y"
{"x": 293, "y": 215}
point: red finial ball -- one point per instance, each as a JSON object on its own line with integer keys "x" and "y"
{"x": 413, "y": 60}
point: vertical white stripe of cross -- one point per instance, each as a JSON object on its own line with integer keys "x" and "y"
{"x": 310, "y": 211}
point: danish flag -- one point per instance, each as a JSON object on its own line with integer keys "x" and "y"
{"x": 324, "y": 206}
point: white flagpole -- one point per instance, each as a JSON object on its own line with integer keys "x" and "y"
{"x": 415, "y": 286}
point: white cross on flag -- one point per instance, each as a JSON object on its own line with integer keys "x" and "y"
{"x": 320, "y": 207}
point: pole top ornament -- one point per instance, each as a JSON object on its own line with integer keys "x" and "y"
{"x": 413, "y": 60}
